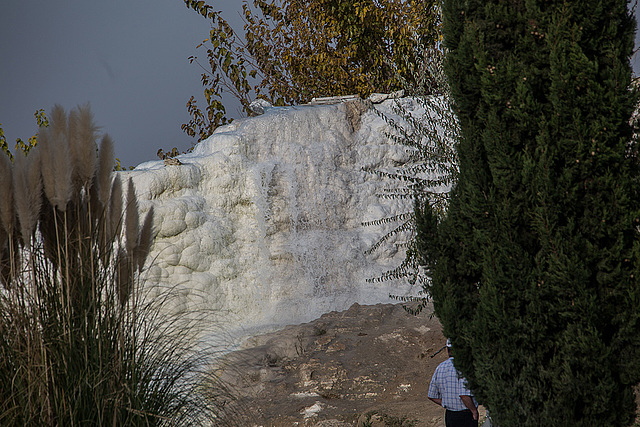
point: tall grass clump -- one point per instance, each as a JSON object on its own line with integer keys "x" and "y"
{"x": 424, "y": 124}
{"x": 79, "y": 342}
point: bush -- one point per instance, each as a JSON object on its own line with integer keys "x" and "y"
{"x": 79, "y": 342}
{"x": 427, "y": 128}
{"x": 294, "y": 50}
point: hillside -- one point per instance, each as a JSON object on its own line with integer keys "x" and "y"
{"x": 365, "y": 363}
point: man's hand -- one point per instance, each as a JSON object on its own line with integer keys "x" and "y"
{"x": 468, "y": 402}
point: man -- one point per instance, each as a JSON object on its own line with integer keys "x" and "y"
{"x": 449, "y": 390}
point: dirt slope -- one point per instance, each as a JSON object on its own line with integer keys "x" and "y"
{"x": 337, "y": 370}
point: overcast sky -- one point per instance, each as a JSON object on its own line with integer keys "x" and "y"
{"x": 127, "y": 58}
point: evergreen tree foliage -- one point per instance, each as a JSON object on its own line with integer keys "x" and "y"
{"x": 535, "y": 266}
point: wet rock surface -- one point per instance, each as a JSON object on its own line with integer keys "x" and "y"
{"x": 368, "y": 365}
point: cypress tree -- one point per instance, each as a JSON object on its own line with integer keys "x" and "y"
{"x": 535, "y": 266}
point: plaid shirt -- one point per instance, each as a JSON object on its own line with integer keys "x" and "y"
{"x": 448, "y": 385}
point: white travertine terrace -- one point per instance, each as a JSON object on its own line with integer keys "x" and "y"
{"x": 262, "y": 221}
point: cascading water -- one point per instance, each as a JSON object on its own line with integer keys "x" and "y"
{"x": 262, "y": 221}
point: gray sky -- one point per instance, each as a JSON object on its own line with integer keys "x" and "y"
{"x": 128, "y": 58}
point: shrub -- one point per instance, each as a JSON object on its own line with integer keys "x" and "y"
{"x": 294, "y": 50}
{"x": 79, "y": 342}
{"x": 427, "y": 128}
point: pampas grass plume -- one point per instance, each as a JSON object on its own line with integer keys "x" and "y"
{"x": 56, "y": 165}
{"x": 57, "y": 122}
{"x": 5, "y": 258}
{"x": 83, "y": 143}
{"x": 123, "y": 279}
{"x": 7, "y": 213}
{"x": 28, "y": 192}
{"x": 115, "y": 208}
{"x": 105, "y": 166}
{"x": 146, "y": 236}
{"x": 132, "y": 220}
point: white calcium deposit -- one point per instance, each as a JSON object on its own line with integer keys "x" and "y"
{"x": 262, "y": 221}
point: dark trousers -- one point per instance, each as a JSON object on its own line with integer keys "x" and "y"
{"x": 459, "y": 419}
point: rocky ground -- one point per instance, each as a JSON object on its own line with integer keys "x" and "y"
{"x": 367, "y": 366}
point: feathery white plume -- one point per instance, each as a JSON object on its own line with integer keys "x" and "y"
{"x": 57, "y": 122}
{"x": 146, "y": 236}
{"x": 105, "y": 166}
{"x": 56, "y": 166}
{"x": 28, "y": 192}
{"x": 82, "y": 132}
{"x": 7, "y": 212}
{"x": 115, "y": 208}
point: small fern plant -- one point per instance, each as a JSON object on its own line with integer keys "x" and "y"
{"x": 426, "y": 126}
